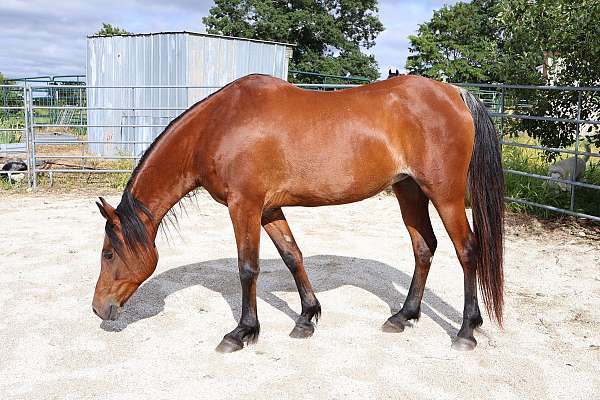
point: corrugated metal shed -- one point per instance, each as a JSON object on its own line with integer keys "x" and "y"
{"x": 184, "y": 59}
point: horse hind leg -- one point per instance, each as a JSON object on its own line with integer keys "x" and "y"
{"x": 279, "y": 231}
{"x": 455, "y": 221}
{"x": 414, "y": 207}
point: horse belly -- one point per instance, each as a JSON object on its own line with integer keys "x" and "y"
{"x": 354, "y": 174}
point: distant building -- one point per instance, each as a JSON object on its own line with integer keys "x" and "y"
{"x": 123, "y": 73}
{"x": 551, "y": 67}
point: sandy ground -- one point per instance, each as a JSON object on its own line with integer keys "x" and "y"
{"x": 359, "y": 259}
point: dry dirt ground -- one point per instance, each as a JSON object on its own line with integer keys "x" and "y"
{"x": 359, "y": 259}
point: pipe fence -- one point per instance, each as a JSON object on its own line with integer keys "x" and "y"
{"x": 66, "y": 129}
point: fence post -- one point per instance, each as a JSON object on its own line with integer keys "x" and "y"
{"x": 501, "y": 111}
{"x": 501, "y": 138}
{"x": 135, "y": 140}
{"x": 30, "y": 165}
{"x": 32, "y": 136}
{"x": 577, "y": 128}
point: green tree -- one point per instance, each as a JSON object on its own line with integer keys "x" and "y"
{"x": 459, "y": 42}
{"x": 566, "y": 33}
{"x": 110, "y": 30}
{"x": 330, "y": 34}
{"x": 508, "y": 41}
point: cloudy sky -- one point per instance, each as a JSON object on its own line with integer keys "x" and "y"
{"x": 42, "y": 37}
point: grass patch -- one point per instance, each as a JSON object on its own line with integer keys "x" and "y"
{"x": 77, "y": 181}
{"x": 119, "y": 180}
{"x": 10, "y": 137}
{"x": 21, "y": 185}
{"x": 15, "y": 122}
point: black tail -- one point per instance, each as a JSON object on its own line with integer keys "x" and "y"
{"x": 486, "y": 184}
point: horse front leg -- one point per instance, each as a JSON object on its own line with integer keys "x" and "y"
{"x": 246, "y": 218}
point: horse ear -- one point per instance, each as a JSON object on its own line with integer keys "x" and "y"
{"x": 397, "y": 72}
{"x": 107, "y": 211}
{"x": 390, "y": 71}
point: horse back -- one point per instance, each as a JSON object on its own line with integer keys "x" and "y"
{"x": 301, "y": 147}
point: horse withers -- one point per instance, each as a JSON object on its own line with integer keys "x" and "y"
{"x": 260, "y": 144}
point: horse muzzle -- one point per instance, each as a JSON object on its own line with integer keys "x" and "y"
{"x": 108, "y": 312}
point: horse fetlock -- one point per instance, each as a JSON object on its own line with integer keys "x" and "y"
{"x": 411, "y": 310}
{"x": 476, "y": 321}
{"x": 248, "y": 331}
{"x": 311, "y": 310}
{"x": 472, "y": 316}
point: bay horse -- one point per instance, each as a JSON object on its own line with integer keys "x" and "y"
{"x": 260, "y": 144}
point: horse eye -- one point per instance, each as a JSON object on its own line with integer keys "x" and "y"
{"x": 107, "y": 254}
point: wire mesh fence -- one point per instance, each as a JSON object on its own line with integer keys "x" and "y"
{"x": 65, "y": 129}
{"x": 549, "y": 136}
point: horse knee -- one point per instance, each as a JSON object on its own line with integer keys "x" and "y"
{"x": 424, "y": 252}
{"x": 248, "y": 272}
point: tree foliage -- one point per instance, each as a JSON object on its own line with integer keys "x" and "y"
{"x": 110, "y": 30}
{"x": 508, "y": 41}
{"x": 568, "y": 33}
{"x": 329, "y": 34}
{"x": 459, "y": 42}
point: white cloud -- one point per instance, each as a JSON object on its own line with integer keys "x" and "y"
{"x": 39, "y": 37}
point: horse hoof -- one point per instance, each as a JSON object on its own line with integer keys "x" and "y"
{"x": 302, "y": 330}
{"x": 392, "y": 327}
{"x": 464, "y": 344}
{"x": 229, "y": 346}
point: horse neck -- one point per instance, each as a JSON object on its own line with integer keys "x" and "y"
{"x": 165, "y": 175}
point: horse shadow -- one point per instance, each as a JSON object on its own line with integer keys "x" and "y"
{"x": 325, "y": 272}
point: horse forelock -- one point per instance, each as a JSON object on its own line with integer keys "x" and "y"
{"x": 135, "y": 234}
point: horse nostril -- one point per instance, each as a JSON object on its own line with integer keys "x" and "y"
{"x": 109, "y": 312}
{"x": 112, "y": 312}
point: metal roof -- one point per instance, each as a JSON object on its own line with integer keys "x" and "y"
{"x": 195, "y": 34}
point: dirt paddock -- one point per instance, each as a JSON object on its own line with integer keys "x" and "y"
{"x": 360, "y": 262}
